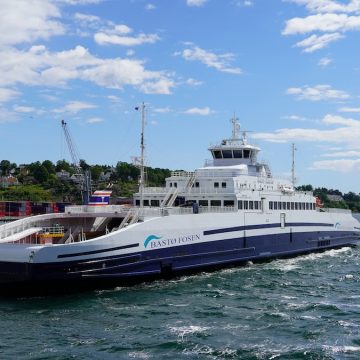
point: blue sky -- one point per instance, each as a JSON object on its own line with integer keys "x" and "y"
{"x": 288, "y": 69}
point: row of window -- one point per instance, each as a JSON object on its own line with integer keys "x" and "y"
{"x": 232, "y": 154}
{"x": 249, "y": 205}
{"x": 282, "y": 205}
{"x": 244, "y": 204}
{"x": 197, "y": 184}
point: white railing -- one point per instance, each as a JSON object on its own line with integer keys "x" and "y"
{"x": 94, "y": 209}
{"x": 182, "y": 173}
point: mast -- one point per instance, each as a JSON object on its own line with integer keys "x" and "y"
{"x": 293, "y": 178}
{"x": 142, "y": 156}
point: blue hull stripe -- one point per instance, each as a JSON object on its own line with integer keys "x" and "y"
{"x": 98, "y": 251}
{"x": 261, "y": 226}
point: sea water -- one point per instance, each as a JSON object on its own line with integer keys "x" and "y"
{"x": 307, "y": 307}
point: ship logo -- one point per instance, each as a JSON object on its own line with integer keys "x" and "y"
{"x": 150, "y": 238}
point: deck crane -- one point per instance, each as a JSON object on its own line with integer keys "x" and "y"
{"x": 83, "y": 175}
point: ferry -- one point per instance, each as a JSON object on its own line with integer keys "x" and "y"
{"x": 226, "y": 213}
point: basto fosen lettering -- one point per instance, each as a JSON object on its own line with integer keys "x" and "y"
{"x": 185, "y": 239}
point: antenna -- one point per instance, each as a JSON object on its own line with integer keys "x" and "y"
{"x": 142, "y": 160}
{"x": 236, "y": 128}
{"x": 293, "y": 178}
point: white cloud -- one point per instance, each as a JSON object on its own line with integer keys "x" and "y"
{"x": 219, "y": 62}
{"x": 94, "y": 120}
{"x": 24, "y": 21}
{"x": 328, "y": 6}
{"x": 38, "y": 66}
{"x": 24, "y": 109}
{"x": 150, "y": 7}
{"x": 322, "y": 22}
{"x": 199, "y": 111}
{"x": 7, "y": 94}
{"x": 325, "y": 61}
{"x": 315, "y": 42}
{"x": 294, "y": 118}
{"x": 350, "y": 153}
{"x": 195, "y": 2}
{"x": 318, "y": 93}
{"x": 113, "y": 98}
{"x": 330, "y": 17}
{"x": 193, "y": 82}
{"x": 346, "y": 131}
{"x": 74, "y": 107}
{"x": 341, "y": 165}
{"x": 117, "y": 36}
{"x": 162, "y": 110}
{"x": 350, "y": 109}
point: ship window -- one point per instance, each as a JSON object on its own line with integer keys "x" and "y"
{"x": 275, "y": 205}
{"x": 292, "y": 206}
{"x": 288, "y": 205}
{"x": 203, "y": 203}
{"x": 223, "y": 184}
{"x": 270, "y": 205}
{"x": 237, "y": 154}
{"x": 246, "y": 205}
{"x": 314, "y": 206}
{"x": 284, "y": 206}
{"x": 217, "y": 154}
{"x": 155, "y": 202}
{"x": 146, "y": 202}
{"x": 246, "y": 154}
{"x": 279, "y": 205}
{"x": 215, "y": 203}
{"x": 227, "y": 154}
{"x": 170, "y": 184}
{"x": 240, "y": 205}
{"x": 137, "y": 202}
{"x": 228, "y": 202}
{"x": 307, "y": 206}
{"x": 216, "y": 185}
{"x": 197, "y": 184}
{"x": 251, "y": 205}
{"x": 296, "y": 206}
{"x": 175, "y": 184}
{"x": 256, "y": 203}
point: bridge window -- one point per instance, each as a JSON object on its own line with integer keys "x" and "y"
{"x": 251, "y": 205}
{"x": 215, "y": 203}
{"x": 270, "y": 205}
{"x": 246, "y": 205}
{"x": 238, "y": 154}
{"x": 292, "y": 206}
{"x": 203, "y": 203}
{"x": 197, "y": 184}
{"x": 256, "y": 205}
{"x": 155, "y": 203}
{"x": 146, "y": 202}
{"x": 228, "y": 202}
{"x": 246, "y": 154}
{"x": 240, "y": 205}
{"x": 223, "y": 184}
{"x": 227, "y": 154}
{"x": 216, "y": 185}
{"x": 217, "y": 154}
{"x": 175, "y": 184}
{"x": 288, "y": 205}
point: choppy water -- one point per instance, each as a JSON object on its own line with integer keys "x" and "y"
{"x": 302, "y": 308}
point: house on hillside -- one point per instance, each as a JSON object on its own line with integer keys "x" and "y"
{"x": 7, "y": 181}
